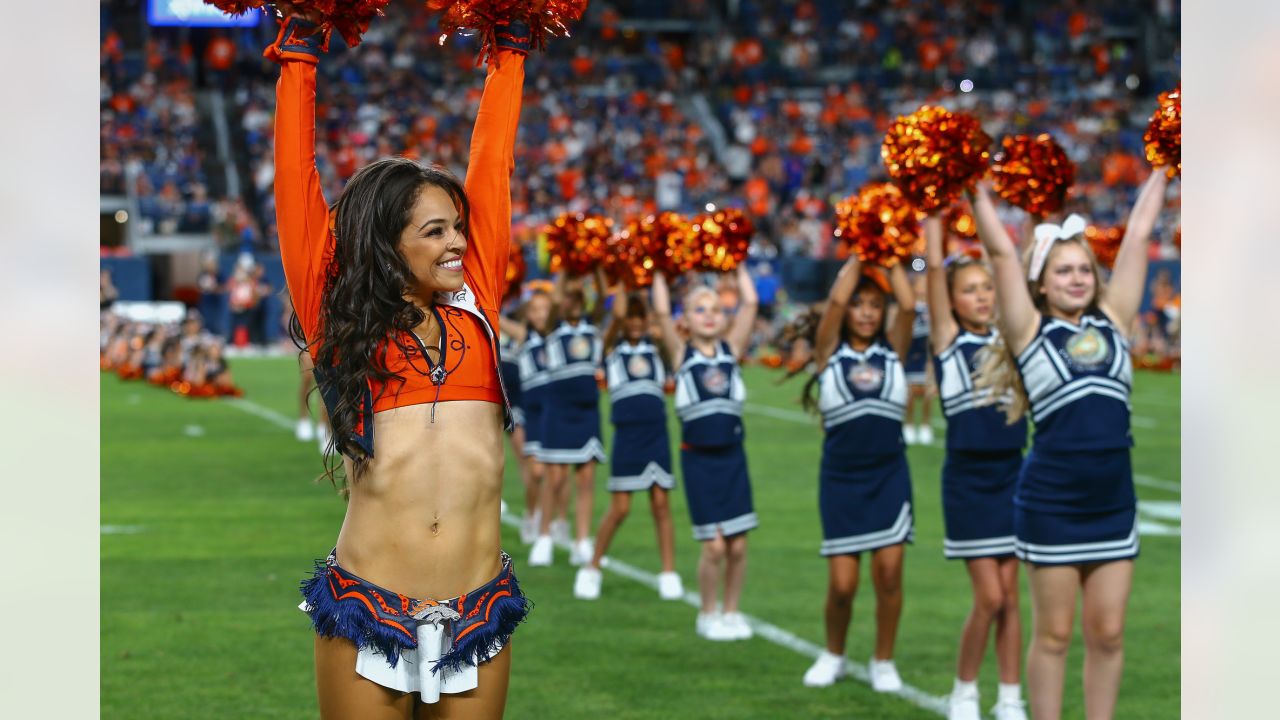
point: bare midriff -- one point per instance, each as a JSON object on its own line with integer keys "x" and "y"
{"x": 423, "y": 517}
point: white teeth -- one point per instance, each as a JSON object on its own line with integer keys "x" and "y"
{"x": 455, "y": 264}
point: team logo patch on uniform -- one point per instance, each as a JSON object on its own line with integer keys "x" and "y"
{"x": 715, "y": 381}
{"x": 638, "y": 366}
{"x": 866, "y": 378}
{"x": 1088, "y": 349}
{"x": 579, "y": 348}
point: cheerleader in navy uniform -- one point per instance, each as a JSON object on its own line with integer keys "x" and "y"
{"x": 713, "y": 460}
{"x": 984, "y": 455}
{"x": 524, "y": 341}
{"x": 570, "y": 433}
{"x": 641, "y": 457}
{"x": 916, "y": 366}
{"x": 1064, "y": 356}
{"x": 864, "y": 489}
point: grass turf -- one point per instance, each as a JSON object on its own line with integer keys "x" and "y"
{"x": 211, "y": 519}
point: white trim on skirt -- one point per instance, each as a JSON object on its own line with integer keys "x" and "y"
{"x": 732, "y": 526}
{"x": 901, "y": 531}
{"x": 593, "y": 450}
{"x": 1080, "y": 553}
{"x": 653, "y": 474}
{"x": 984, "y": 547}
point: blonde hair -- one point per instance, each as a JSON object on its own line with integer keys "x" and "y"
{"x": 696, "y": 292}
{"x": 998, "y": 369}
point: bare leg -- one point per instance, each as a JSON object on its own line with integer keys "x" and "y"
{"x": 886, "y": 578}
{"x": 709, "y": 571}
{"x": 619, "y": 508}
{"x": 345, "y": 694}
{"x": 1053, "y": 602}
{"x": 562, "y": 492}
{"x": 660, "y": 506}
{"x": 552, "y": 490}
{"x": 988, "y": 602}
{"x": 735, "y": 571}
{"x": 1106, "y": 596}
{"x": 1009, "y": 625}
{"x": 486, "y": 702}
{"x": 584, "y": 506}
{"x": 841, "y": 589}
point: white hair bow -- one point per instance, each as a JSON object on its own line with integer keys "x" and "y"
{"x": 1046, "y": 235}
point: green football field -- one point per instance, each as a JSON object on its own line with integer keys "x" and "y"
{"x": 211, "y": 516}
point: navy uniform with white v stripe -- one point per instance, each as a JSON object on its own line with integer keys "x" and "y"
{"x": 709, "y": 397}
{"x": 510, "y": 368}
{"x": 984, "y": 456}
{"x": 864, "y": 491}
{"x": 533, "y": 386}
{"x": 571, "y": 403}
{"x": 1075, "y": 501}
{"x": 641, "y": 455}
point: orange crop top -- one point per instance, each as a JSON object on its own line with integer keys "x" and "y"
{"x": 468, "y": 368}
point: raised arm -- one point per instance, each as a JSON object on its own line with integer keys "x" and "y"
{"x": 739, "y": 335}
{"x": 662, "y": 310}
{"x": 827, "y": 336}
{"x": 302, "y": 215}
{"x": 617, "y": 317}
{"x": 1129, "y": 276}
{"x": 942, "y": 324}
{"x": 517, "y": 330}
{"x": 597, "y": 310}
{"x": 491, "y": 164}
{"x": 1019, "y": 320}
{"x": 900, "y": 332}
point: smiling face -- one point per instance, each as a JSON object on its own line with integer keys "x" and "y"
{"x": 537, "y": 311}
{"x": 705, "y": 315}
{"x": 433, "y": 243}
{"x": 865, "y": 316}
{"x": 1068, "y": 283}
{"x": 973, "y": 295}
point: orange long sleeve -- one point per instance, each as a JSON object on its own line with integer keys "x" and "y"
{"x": 302, "y": 215}
{"x": 488, "y": 182}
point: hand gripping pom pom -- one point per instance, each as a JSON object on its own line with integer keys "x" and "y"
{"x": 1105, "y": 243}
{"x": 959, "y": 221}
{"x": 932, "y": 155}
{"x": 544, "y": 18}
{"x": 1163, "y": 137}
{"x": 349, "y": 17}
{"x": 723, "y": 237}
{"x": 878, "y": 224}
{"x": 577, "y": 242}
{"x": 1033, "y": 173}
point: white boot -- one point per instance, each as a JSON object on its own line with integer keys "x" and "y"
{"x": 963, "y": 703}
{"x": 586, "y": 586}
{"x": 669, "y": 586}
{"x": 824, "y": 671}
{"x": 924, "y": 434}
{"x": 304, "y": 431}
{"x": 581, "y": 551}
{"x": 540, "y": 553}
{"x": 884, "y": 676}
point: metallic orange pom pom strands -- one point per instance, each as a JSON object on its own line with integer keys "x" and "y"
{"x": 959, "y": 221}
{"x": 1033, "y": 173}
{"x": 878, "y": 224}
{"x": 724, "y": 236}
{"x": 544, "y": 18}
{"x": 1164, "y": 133}
{"x": 933, "y": 154}
{"x": 1105, "y": 243}
{"x": 576, "y": 242}
{"x": 517, "y": 268}
{"x": 634, "y": 253}
{"x": 349, "y": 17}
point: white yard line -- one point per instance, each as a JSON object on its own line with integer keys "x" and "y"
{"x": 265, "y": 413}
{"x": 122, "y": 529}
{"x": 1157, "y": 483}
{"x": 766, "y": 631}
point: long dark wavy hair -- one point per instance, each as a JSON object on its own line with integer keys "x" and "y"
{"x": 363, "y": 306}
{"x": 808, "y": 399}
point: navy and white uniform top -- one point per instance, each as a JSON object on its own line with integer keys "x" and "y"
{"x": 973, "y": 423}
{"x": 709, "y": 397}
{"x": 920, "y": 325}
{"x": 509, "y": 351}
{"x": 1078, "y": 379}
{"x": 635, "y": 377}
{"x": 863, "y": 398}
{"x": 573, "y": 354}
{"x": 533, "y": 364}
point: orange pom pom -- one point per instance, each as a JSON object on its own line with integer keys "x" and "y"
{"x": 576, "y": 242}
{"x": 959, "y": 220}
{"x": 1033, "y": 173}
{"x": 545, "y": 19}
{"x": 349, "y": 17}
{"x": 724, "y": 237}
{"x": 878, "y": 224}
{"x": 1105, "y": 243}
{"x": 517, "y": 268}
{"x": 668, "y": 239}
{"x": 1164, "y": 134}
{"x": 932, "y": 155}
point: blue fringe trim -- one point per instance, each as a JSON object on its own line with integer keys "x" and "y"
{"x": 351, "y": 619}
{"x": 483, "y": 643}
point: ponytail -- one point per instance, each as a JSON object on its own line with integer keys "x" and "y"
{"x": 998, "y": 381}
